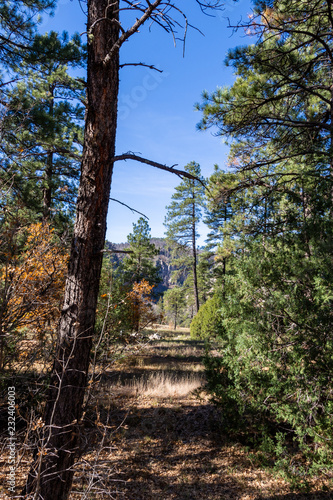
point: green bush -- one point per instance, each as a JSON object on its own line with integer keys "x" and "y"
{"x": 208, "y": 322}
{"x": 274, "y": 372}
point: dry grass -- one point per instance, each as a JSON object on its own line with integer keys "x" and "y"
{"x": 161, "y": 385}
{"x": 170, "y": 331}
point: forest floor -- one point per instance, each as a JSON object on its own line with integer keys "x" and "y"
{"x": 151, "y": 433}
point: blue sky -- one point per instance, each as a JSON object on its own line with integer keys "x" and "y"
{"x": 156, "y": 110}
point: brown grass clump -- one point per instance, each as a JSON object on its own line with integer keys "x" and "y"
{"x": 161, "y": 385}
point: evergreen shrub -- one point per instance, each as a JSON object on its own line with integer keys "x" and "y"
{"x": 208, "y": 322}
{"x": 273, "y": 376}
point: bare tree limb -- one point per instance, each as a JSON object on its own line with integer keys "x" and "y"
{"x": 180, "y": 173}
{"x": 112, "y": 21}
{"x": 150, "y": 66}
{"x": 125, "y": 36}
{"x": 131, "y": 209}
{"x": 117, "y": 251}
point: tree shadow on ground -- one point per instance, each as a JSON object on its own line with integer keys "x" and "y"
{"x": 111, "y": 378}
{"x": 180, "y": 343}
{"x": 159, "y": 353}
{"x": 175, "y": 451}
{"x": 166, "y": 452}
{"x": 325, "y": 495}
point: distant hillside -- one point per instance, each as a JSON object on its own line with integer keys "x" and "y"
{"x": 163, "y": 259}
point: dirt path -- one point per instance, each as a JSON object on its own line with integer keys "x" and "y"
{"x": 163, "y": 442}
{"x": 151, "y": 433}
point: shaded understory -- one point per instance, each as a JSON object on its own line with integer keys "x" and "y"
{"x": 150, "y": 432}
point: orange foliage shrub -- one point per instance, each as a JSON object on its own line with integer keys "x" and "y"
{"x": 32, "y": 283}
{"x": 140, "y": 301}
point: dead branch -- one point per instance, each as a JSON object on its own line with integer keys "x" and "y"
{"x": 126, "y": 35}
{"x": 117, "y": 251}
{"x": 180, "y": 173}
{"x": 127, "y": 206}
{"x": 150, "y": 66}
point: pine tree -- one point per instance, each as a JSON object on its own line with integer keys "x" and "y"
{"x": 218, "y": 212}
{"x": 63, "y": 409}
{"x": 182, "y": 219}
{"x": 127, "y": 287}
{"x": 174, "y": 304}
{"x": 42, "y": 127}
{"x": 139, "y": 263}
{"x": 18, "y": 24}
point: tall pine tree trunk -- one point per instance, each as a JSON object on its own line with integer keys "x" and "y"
{"x": 48, "y": 174}
{"x": 47, "y": 189}
{"x": 331, "y": 152}
{"x": 194, "y": 253}
{"x": 51, "y": 475}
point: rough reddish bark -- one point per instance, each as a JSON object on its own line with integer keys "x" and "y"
{"x": 195, "y": 258}
{"x": 51, "y": 477}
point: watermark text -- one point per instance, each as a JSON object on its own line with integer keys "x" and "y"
{"x": 11, "y": 440}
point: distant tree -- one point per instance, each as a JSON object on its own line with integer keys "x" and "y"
{"x": 206, "y": 274}
{"x": 138, "y": 264}
{"x": 127, "y": 286}
{"x": 218, "y": 211}
{"x": 139, "y": 300}
{"x": 174, "y": 304}
{"x": 182, "y": 219}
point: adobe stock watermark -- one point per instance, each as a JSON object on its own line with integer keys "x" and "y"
{"x": 11, "y": 479}
{"x": 150, "y": 82}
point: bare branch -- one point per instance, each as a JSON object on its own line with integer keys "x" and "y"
{"x": 213, "y": 5}
{"x": 112, "y": 21}
{"x": 131, "y": 209}
{"x": 117, "y": 251}
{"x": 125, "y": 36}
{"x": 150, "y": 66}
{"x": 157, "y": 12}
{"x": 180, "y": 173}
